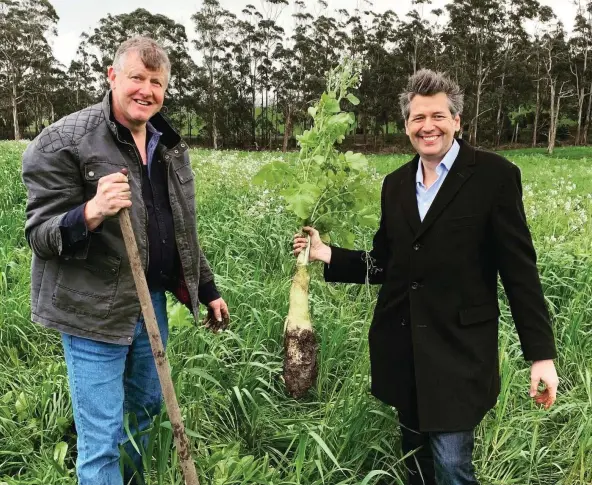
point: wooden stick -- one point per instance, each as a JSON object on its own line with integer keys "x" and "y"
{"x": 162, "y": 363}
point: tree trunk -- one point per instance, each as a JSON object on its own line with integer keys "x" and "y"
{"x": 364, "y": 131}
{"x": 536, "y": 114}
{"x": 587, "y": 124}
{"x": 214, "y": 131}
{"x": 475, "y": 124}
{"x": 287, "y": 128}
{"x": 552, "y": 120}
{"x": 17, "y": 132}
{"x": 253, "y": 113}
{"x": 499, "y": 120}
{"x": 581, "y": 97}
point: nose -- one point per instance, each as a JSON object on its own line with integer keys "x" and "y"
{"x": 428, "y": 125}
{"x": 145, "y": 89}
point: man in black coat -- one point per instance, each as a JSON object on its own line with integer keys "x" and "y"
{"x": 451, "y": 220}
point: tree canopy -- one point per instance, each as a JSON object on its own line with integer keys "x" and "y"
{"x": 246, "y": 82}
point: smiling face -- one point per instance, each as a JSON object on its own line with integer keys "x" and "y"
{"x": 431, "y": 126}
{"x": 138, "y": 92}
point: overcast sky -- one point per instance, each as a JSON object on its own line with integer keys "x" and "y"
{"x": 76, "y": 16}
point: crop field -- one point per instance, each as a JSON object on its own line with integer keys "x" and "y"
{"x": 243, "y": 426}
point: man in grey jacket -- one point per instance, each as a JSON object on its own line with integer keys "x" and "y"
{"x": 82, "y": 283}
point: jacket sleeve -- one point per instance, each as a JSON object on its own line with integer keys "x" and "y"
{"x": 205, "y": 273}
{"x": 52, "y": 177}
{"x": 351, "y": 266}
{"x": 516, "y": 261}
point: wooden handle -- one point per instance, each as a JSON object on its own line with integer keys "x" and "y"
{"x": 162, "y": 364}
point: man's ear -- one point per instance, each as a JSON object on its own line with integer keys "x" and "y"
{"x": 457, "y": 123}
{"x": 111, "y": 76}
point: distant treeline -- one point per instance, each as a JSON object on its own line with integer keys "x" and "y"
{"x": 254, "y": 82}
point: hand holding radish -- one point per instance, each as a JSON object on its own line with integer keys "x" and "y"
{"x": 544, "y": 371}
{"x": 319, "y": 251}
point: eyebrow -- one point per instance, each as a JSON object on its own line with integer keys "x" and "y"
{"x": 424, "y": 114}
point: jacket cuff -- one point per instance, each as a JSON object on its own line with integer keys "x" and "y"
{"x": 535, "y": 353}
{"x": 207, "y": 292}
{"x": 73, "y": 227}
{"x": 333, "y": 271}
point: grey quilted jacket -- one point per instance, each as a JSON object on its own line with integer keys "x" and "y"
{"x": 90, "y": 293}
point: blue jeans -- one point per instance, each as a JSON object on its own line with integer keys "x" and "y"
{"x": 438, "y": 458}
{"x": 106, "y": 381}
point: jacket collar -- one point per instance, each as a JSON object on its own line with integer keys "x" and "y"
{"x": 460, "y": 171}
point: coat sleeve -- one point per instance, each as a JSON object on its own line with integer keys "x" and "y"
{"x": 352, "y": 266}
{"x": 516, "y": 261}
{"x": 51, "y": 174}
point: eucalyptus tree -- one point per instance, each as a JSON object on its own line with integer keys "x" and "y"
{"x": 249, "y": 38}
{"x": 472, "y": 41}
{"x": 512, "y": 56}
{"x": 580, "y": 55}
{"x": 415, "y": 37}
{"x": 293, "y": 75}
{"x": 83, "y": 80}
{"x": 25, "y": 26}
{"x": 271, "y": 35}
{"x": 211, "y": 23}
{"x": 555, "y": 61}
{"x": 384, "y": 74}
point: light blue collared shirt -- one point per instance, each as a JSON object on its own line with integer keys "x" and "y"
{"x": 425, "y": 196}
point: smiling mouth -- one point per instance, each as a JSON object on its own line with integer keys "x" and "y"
{"x": 430, "y": 138}
{"x": 142, "y": 103}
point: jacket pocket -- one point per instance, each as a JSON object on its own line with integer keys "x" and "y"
{"x": 87, "y": 287}
{"x": 478, "y": 314}
{"x": 94, "y": 170}
{"x": 185, "y": 178}
{"x": 462, "y": 221}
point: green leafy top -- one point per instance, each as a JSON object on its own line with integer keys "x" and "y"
{"x": 325, "y": 188}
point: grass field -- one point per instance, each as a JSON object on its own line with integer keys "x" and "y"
{"x": 245, "y": 430}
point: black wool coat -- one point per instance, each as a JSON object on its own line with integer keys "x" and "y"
{"x": 434, "y": 335}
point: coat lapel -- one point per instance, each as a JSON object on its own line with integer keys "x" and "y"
{"x": 409, "y": 196}
{"x": 461, "y": 170}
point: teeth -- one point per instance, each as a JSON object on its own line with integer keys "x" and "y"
{"x": 429, "y": 138}
{"x": 143, "y": 103}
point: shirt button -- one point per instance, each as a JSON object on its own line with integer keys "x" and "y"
{"x": 164, "y": 241}
{"x": 129, "y": 339}
{"x": 414, "y": 285}
{"x": 403, "y": 322}
{"x": 417, "y": 246}
{"x": 91, "y": 174}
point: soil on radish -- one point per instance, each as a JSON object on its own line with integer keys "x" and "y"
{"x": 300, "y": 361}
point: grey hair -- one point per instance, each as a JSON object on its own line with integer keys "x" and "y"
{"x": 150, "y": 52}
{"x": 428, "y": 83}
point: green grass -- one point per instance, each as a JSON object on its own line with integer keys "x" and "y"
{"x": 245, "y": 430}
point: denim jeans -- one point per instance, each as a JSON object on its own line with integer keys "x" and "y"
{"x": 438, "y": 458}
{"x": 106, "y": 381}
